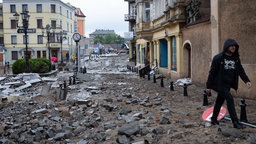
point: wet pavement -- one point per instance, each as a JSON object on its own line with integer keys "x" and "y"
{"x": 110, "y": 104}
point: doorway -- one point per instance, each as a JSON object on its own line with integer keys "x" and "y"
{"x": 187, "y": 60}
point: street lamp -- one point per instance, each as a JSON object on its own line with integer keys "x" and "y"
{"x": 24, "y": 29}
{"x": 48, "y": 35}
{"x": 61, "y": 37}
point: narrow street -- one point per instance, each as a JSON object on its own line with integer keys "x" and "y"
{"x": 111, "y": 104}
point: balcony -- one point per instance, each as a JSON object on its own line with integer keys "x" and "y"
{"x": 128, "y": 17}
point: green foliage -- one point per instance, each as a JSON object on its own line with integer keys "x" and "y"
{"x": 108, "y": 39}
{"x": 19, "y": 66}
{"x": 39, "y": 65}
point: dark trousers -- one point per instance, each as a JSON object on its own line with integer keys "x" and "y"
{"x": 221, "y": 97}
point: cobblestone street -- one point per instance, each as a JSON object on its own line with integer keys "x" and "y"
{"x": 110, "y": 104}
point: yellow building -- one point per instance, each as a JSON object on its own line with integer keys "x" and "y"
{"x": 158, "y": 34}
{"x": 56, "y": 39}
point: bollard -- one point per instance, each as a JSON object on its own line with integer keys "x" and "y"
{"x": 185, "y": 89}
{"x": 65, "y": 84}
{"x": 243, "y": 116}
{"x": 84, "y": 70}
{"x": 205, "y": 103}
{"x": 140, "y": 73}
{"x": 74, "y": 79}
{"x": 162, "y": 82}
{"x": 60, "y": 86}
{"x": 4, "y": 99}
{"x": 70, "y": 80}
{"x": 171, "y": 86}
{"x": 149, "y": 76}
{"x": 154, "y": 78}
{"x": 65, "y": 90}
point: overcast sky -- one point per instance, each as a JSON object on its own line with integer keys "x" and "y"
{"x": 103, "y": 14}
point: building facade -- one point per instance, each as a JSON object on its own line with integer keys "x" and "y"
{"x": 158, "y": 35}
{"x": 101, "y": 32}
{"x": 2, "y": 49}
{"x": 131, "y": 19}
{"x": 182, "y": 36}
{"x": 80, "y": 20}
{"x": 59, "y": 17}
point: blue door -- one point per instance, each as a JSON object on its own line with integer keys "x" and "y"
{"x": 163, "y": 53}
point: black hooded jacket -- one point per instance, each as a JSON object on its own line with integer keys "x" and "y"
{"x": 215, "y": 77}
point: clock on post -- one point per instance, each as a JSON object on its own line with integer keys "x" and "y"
{"x": 76, "y": 37}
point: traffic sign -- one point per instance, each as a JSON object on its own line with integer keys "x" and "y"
{"x": 28, "y": 30}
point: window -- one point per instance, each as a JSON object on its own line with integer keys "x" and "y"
{"x": 25, "y": 39}
{"x": 70, "y": 15}
{"x": 14, "y": 39}
{"x": 39, "y": 8}
{"x": 138, "y": 53}
{"x": 53, "y": 8}
{"x": 61, "y": 23}
{"x": 1, "y": 25}
{"x": 143, "y": 55}
{"x": 1, "y": 11}
{"x": 1, "y": 40}
{"x": 53, "y": 24}
{"x": 147, "y": 12}
{"x": 192, "y": 11}
{"x": 39, "y": 23}
{"x": 174, "y": 54}
{"x": 13, "y": 24}
{"x": 52, "y": 38}
{"x": 44, "y": 54}
{"x": 38, "y": 54}
{"x": 14, "y": 55}
{"x": 40, "y": 39}
{"x": 67, "y": 27}
{"x": 13, "y": 8}
{"x": 67, "y": 13}
{"x": 29, "y": 54}
{"x": 60, "y": 10}
{"x": 24, "y": 7}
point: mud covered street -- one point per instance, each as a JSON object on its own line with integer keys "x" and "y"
{"x": 110, "y": 104}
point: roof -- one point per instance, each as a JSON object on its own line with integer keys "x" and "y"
{"x": 102, "y": 32}
{"x": 79, "y": 13}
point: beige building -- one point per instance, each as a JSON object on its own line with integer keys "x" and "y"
{"x": 158, "y": 35}
{"x": 59, "y": 17}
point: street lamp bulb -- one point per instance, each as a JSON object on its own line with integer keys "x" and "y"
{"x": 48, "y": 27}
{"x": 16, "y": 15}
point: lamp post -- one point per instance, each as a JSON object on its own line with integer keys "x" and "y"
{"x": 24, "y": 29}
{"x": 48, "y": 35}
{"x": 61, "y": 37}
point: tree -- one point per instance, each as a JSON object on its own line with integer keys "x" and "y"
{"x": 108, "y": 39}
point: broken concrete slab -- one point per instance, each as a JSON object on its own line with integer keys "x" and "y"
{"x": 13, "y": 83}
{"x": 2, "y": 78}
{"x": 33, "y": 81}
{"x": 27, "y": 76}
{"x": 49, "y": 79}
{"x": 23, "y": 87}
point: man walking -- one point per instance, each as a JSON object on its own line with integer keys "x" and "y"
{"x": 223, "y": 75}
